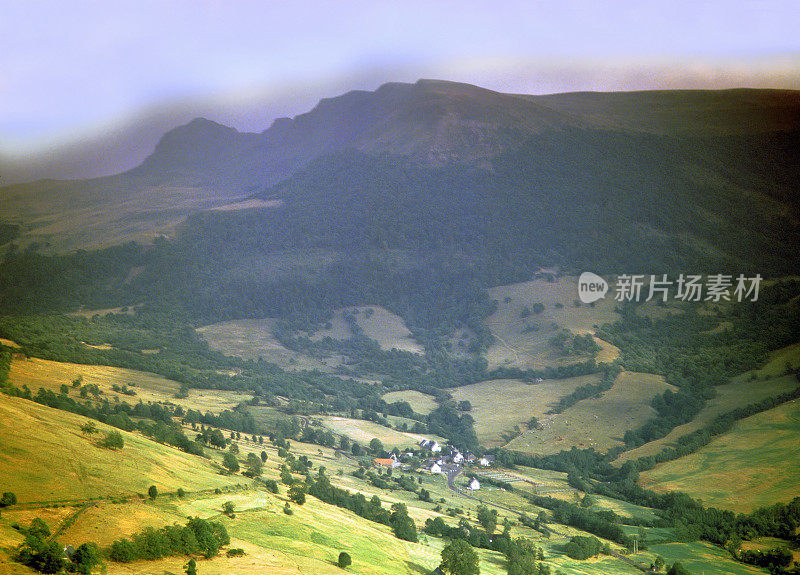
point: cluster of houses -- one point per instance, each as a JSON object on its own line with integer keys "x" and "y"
{"x": 441, "y": 456}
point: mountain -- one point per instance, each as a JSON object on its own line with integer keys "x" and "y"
{"x": 203, "y": 164}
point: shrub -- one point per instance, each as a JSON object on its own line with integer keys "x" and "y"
{"x": 344, "y": 559}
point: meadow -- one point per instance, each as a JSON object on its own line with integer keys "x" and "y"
{"x": 596, "y": 422}
{"x": 420, "y": 402}
{"x": 46, "y": 457}
{"x": 740, "y": 392}
{"x": 522, "y": 337}
{"x": 365, "y": 431}
{"x": 51, "y": 375}
{"x": 753, "y": 465}
{"x": 498, "y": 405}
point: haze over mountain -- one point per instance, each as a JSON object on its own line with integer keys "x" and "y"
{"x": 432, "y": 123}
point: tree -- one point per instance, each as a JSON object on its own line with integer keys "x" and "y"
{"x": 659, "y": 563}
{"x": 459, "y": 558}
{"x": 153, "y": 492}
{"x": 181, "y": 492}
{"x": 234, "y": 448}
{"x": 230, "y": 462}
{"x": 89, "y": 427}
{"x": 678, "y": 569}
{"x": 297, "y": 493}
{"x": 263, "y": 455}
{"x": 254, "y": 464}
{"x": 344, "y": 559}
{"x": 191, "y": 567}
{"x": 113, "y": 440}
{"x": 487, "y": 518}
{"x": 376, "y": 446}
{"x": 228, "y": 508}
{"x": 8, "y": 498}
{"x": 85, "y": 557}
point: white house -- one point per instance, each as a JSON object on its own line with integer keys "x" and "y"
{"x": 483, "y": 461}
{"x": 458, "y": 458}
{"x": 474, "y": 485}
{"x": 435, "y": 468}
{"x": 436, "y": 448}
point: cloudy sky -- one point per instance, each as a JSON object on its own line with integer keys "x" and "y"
{"x": 70, "y": 69}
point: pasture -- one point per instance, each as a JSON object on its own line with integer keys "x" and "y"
{"x": 45, "y": 457}
{"x": 522, "y": 338}
{"x": 596, "y": 422}
{"x": 498, "y": 405}
{"x": 420, "y": 402}
{"x": 252, "y": 338}
{"x": 51, "y": 375}
{"x": 701, "y": 557}
{"x": 740, "y": 392}
{"x": 365, "y": 431}
{"x": 751, "y": 466}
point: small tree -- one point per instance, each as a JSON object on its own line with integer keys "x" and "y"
{"x": 230, "y": 462}
{"x": 85, "y": 557}
{"x": 459, "y": 558}
{"x": 254, "y": 464}
{"x": 376, "y": 446}
{"x": 89, "y": 427}
{"x": 181, "y": 492}
{"x": 297, "y": 493}
{"x": 344, "y": 559}
{"x": 113, "y": 440}
{"x": 191, "y": 567}
{"x": 152, "y": 492}
{"x": 228, "y": 508}
{"x": 487, "y": 518}
{"x": 263, "y": 456}
{"x": 8, "y": 498}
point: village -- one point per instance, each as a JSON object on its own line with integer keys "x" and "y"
{"x": 436, "y": 459}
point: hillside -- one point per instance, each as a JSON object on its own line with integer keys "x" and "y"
{"x": 203, "y": 164}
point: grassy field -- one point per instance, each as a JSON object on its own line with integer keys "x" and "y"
{"x": 702, "y": 558}
{"x": 365, "y": 431}
{"x": 499, "y": 404}
{"x": 420, "y": 402}
{"x": 741, "y": 391}
{"x": 45, "y": 457}
{"x": 523, "y": 341}
{"x": 252, "y": 338}
{"x": 598, "y": 423}
{"x": 753, "y": 465}
{"x": 388, "y": 329}
{"x": 36, "y": 373}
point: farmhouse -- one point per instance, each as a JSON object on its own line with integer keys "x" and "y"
{"x": 474, "y": 485}
{"x": 386, "y": 462}
{"x": 435, "y": 468}
{"x": 486, "y": 460}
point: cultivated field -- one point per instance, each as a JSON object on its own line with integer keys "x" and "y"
{"x": 420, "y": 402}
{"x": 499, "y": 404}
{"x": 599, "y": 423}
{"x": 739, "y": 393}
{"x": 523, "y": 341}
{"x": 753, "y": 465}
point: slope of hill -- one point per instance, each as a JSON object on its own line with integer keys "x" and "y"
{"x": 45, "y": 457}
